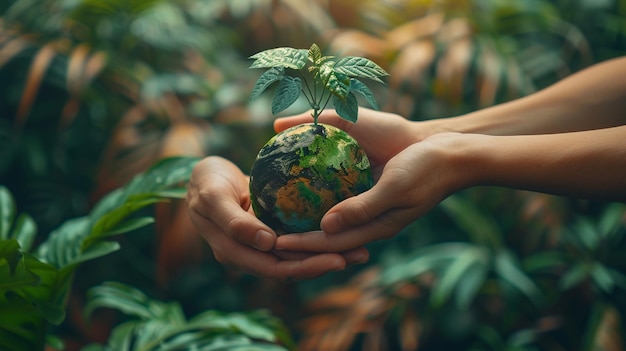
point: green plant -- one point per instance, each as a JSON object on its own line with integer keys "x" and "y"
{"x": 319, "y": 78}
{"x": 162, "y": 325}
{"x": 34, "y": 283}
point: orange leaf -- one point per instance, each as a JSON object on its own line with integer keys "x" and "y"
{"x": 35, "y": 77}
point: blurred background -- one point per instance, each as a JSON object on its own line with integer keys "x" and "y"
{"x": 92, "y": 92}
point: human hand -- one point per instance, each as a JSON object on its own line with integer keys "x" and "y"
{"x": 414, "y": 175}
{"x": 218, "y": 200}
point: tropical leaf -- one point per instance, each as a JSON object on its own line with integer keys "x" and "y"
{"x": 359, "y": 67}
{"x": 286, "y": 94}
{"x": 268, "y": 78}
{"x": 280, "y": 57}
{"x": 163, "y": 326}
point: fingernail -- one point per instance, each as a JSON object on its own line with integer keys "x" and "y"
{"x": 332, "y": 223}
{"x": 263, "y": 240}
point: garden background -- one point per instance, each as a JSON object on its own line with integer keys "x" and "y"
{"x": 106, "y": 105}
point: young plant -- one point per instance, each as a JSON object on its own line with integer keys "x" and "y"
{"x": 303, "y": 171}
{"x": 319, "y": 78}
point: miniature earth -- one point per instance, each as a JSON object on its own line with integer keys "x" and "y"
{"x": 302, "y": 172}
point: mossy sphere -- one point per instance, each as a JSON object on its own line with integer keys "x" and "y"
{"x": 303, "y": 171}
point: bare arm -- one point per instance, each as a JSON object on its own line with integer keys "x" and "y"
{"x": 588, "y": 164}
{"x": 590, "y": 99}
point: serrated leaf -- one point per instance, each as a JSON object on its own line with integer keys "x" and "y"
{"x": 358, "y": 86}
{"x": 315, "y": 54}
{"x": 347, "y": 109}
{"x": 359, "y": 67}
{"x": 281, "y": 57}
{"x": 286, "y": 94}
{"x": 326, "y": 71}
{"x": 339, "y": 85}
{"x": 268, "y": 78}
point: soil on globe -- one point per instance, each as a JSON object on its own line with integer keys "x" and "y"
{"x": 302, "y": 172}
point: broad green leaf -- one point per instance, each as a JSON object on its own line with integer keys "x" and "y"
{"x": 326, "y": 71}
{"x": 359, "y": 67}
{"x": 347, "y": 109}
{"x": 286, "y": 94}
{"x": 96, "y": 250}
{"x": 339, "y": 85}
{"x": 63, "y": 245}
{"x": 281, "y": 57}
{"x": 24, "y": 231}
{"x": 358, "y": 86}
{"x": 9, "y": 251}
{"x": 268, "y": 78}
{"x": 130, "y": 225}
{"x": 7, "y": 212}
{"x": 508, "y": 271}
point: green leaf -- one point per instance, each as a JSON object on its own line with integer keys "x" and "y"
{"x": 7, "y": 212}
{"x": 339, "y": 85}
{"x": 9, "y": 251}
{"x": 268, "y": 78}
{"x": 24, "y": 231}
{"x": 315, "y": 54}
{"x": 458, "y": 269}
{"x": 130, "y": 225}
{"x": 347, "y": 109}
{"x": 281, "y": 57}
{"x": 508, "y": 271}
{"x": 359, "y": 67}
{"x": 286, "y": 94}
{"x": 574, "y": 276}
{"x": 479, "y": 226}
{"x": 358, "y": 86}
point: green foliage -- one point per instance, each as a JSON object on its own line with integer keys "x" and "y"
{"x": 337, "y": 78}
{"x": 157, "y": 325}
{"x": 34, "y": 283}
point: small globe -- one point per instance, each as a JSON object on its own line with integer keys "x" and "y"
{"x": 302, "y": 172}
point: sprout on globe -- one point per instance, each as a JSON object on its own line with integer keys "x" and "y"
{"x": 303, "y": 171}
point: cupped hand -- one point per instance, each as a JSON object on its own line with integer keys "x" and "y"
{"x": 412, "y": 182}
{"x": 218, "y": 201}
{"x": 382, "y": 135}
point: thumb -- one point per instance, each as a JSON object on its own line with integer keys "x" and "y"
{"x": 355, "y": 211}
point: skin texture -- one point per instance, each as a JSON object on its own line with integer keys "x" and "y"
{"x": 568, "y": 139}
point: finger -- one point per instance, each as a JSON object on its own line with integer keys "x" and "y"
{"x": 383, "y": 227}
{"x": 355, "y": 256}
{"x": 232, "y": 253}
{"x": 359, "y": 209}
{"x": 233, "y": 221}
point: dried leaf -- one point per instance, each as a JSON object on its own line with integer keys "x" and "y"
{"x": 35, "y": 76}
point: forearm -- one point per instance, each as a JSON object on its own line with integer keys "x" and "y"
{"x": 593, "y": 98}
{"x": 589, "y": 164}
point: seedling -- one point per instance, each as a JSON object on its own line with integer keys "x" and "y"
{"x": 319, "y": 78}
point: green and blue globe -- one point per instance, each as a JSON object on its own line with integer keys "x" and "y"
{"x": 303, "y": 171}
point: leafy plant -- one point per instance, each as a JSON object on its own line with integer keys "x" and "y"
{"x": 34, "y": 283}
{"x": 162, "y": 326}
{"x": 319, "y": 78}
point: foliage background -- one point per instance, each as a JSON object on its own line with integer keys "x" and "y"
{"x": 93, "y": 92}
